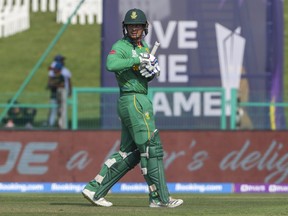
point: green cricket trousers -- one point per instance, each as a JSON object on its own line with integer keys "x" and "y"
{"x": 137, "y": 119}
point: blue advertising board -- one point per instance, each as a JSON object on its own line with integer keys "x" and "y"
{"x": 141, "y": 187}
{"x": 206, "y": 43}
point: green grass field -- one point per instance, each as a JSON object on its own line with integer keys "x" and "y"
{"x": 128, "y": 205}
{"x": 80, "y": 44}
{"x": 20, "y": 53}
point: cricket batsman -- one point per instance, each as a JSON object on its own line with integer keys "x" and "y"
{"x": 134, "y": 66}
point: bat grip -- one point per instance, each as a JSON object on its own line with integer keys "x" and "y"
{"x": 155, "y": 47}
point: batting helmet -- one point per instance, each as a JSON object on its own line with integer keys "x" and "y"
{"x": 135, "y": 16}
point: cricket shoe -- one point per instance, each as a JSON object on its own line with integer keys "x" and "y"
{"x": 171, "y": 204}
{"x": 89, "y": 195}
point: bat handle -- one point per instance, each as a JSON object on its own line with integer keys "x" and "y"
{"x": 155, "y": 47}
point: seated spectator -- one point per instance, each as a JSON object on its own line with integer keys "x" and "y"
{"x": 18, "y": 116}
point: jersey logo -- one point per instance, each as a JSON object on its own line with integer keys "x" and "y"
{"x": 134, "y": 53}
{"x": 112, "y": 52}
{"x": 135, "y": 68}
{"x": 133, "y": 15}
{"x": 147, "y": 116}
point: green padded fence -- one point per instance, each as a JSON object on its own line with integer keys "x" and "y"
{"x": 85, "y": 108}
{"x": 235, "y": 106}
{"x": 82, "y": 91}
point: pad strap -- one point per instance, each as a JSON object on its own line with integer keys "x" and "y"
{"x": 99, "y": 178}
{"x": 114, "y": 169}
{"x": 152, "y": 167}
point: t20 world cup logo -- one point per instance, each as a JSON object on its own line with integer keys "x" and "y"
{"x": 231, "y": 48}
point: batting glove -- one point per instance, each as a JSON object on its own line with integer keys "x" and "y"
{"x": 147, "y": 59}
{"x": 150, "y": 70}
{"x": 144, "y": 60}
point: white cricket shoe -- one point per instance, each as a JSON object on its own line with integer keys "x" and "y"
{"x": 89, "y": 195}
{"x": 174, "y": 202}
{"x": 171, "y": 204}
{"x": 155, "y": 204}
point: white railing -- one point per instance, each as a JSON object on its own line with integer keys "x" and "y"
{"x": 14, "y": 17}
{"x": 90, "y": 11}
{"x": 44, "y": 5}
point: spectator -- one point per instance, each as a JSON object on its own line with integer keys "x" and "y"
{"x": 18, "y": 116}
{"x": 65, "y": 72}
{"x": 55, "y": 83}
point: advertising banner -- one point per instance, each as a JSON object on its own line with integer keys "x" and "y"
{"x": 260, "y": 188}
{"x": 190, "y": 157}
{"x": 75, "y": 187}
{"x": 206, "y": 43}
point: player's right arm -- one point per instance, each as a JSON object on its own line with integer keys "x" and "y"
{"x": 120, "y": 58}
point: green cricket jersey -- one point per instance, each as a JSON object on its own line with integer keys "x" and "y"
{"x": 124, "y": 61}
